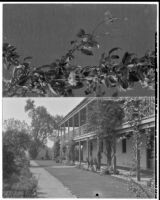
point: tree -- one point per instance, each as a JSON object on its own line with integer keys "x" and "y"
{"x": 71, "y": 150}
{"x": 47, "y": 157}
{"x": 9, "y": 165}
{"x": 104, "y": 117}
{"x": 57, "y": 119}
{"x": 136, "y": 109}
{"x": 16, "y": 140}
{"x": 56, "y": 149}
{"x": 60, "y": 77}
{"x": 16, "y": 135}
{"x": 13, "y": 124}
{"x": 42, "y": 124}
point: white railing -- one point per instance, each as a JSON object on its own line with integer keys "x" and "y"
{"x": 83, "y": 129}
{"x": 78, "y": 131}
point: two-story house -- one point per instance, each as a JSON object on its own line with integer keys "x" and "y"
{"x": 75, "y": 126}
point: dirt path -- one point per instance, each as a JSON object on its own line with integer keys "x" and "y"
{"x": 48, "y": 185}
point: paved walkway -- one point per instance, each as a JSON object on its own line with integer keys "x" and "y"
{"x": 86, "y": 184}
{"x": 48, "y": 185}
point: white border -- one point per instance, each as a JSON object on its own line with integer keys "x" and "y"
{"x": 1, "y": 25}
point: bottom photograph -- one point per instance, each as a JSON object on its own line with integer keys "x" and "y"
{"x": 79, "y": 147}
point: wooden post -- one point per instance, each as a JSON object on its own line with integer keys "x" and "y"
{"x": 58, "y": 131}
{"x": 88, "y": 148}
{"x": 80, "y": 152}
{"x": 68, "y": 129}
{"x": 73, "y": 124}
{"x": 98, "y": 138}
{"x": 61, "y": 132}
{"x": 79, "y": 122}
{"x": 114, "y": 154}
{"x": 61, "y": 141}
{"x": 64, "y": 130}
{"x": 87, "y": 118}
{"x": 98, "y": 153}
{"x": 138, "y": 161}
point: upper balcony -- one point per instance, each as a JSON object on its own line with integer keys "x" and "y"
{"x": 76, "y": 125}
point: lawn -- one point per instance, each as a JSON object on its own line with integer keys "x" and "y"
{"x": 86, "y": 184}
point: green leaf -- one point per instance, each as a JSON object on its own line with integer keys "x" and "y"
{"x": 112, "y": 79}
{"x": 87, "y": 52}
{"x": 81, "y": 33}
{"x": 112, "y": 50}
{"x": 27, "y": 58}
{"x": 52, "y": 90}
{"x": 127, "y": 58}
{"x": 124, "y": 83}
{"x": 114, "y": 57}
{"x": 73, "y": 42}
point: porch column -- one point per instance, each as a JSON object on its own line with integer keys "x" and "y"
{"x": 60, "y": 140}
{"x": 98, "y": 153}
{"x": 88, "y": 148}
{"x": 73, "y": 124}
{"x": 58, "y": 131}
{"x": 64, "y": 126}
{"x": 98, "y": 144}
{"x": 79, "y": 122}
{"x": 79, "y": 151}
{"x": 68, "y": 129}
{"x": 87, "y": 118}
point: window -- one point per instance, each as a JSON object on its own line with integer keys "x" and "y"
{"x": 124, "y": 149}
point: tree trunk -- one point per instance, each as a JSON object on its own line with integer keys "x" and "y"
{"x": 98, "y": 153}
{"x": 114, "y": 154}
{"x": 109, "y": 151}
{"x": 138, "y": 168}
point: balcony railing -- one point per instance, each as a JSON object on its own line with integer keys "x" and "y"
{"x": 149, "y": 103}
{"x": 83, "y": 129}
{"x": 77, "y": 131}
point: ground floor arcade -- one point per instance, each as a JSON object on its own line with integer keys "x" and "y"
{"x": 87, "y": 148}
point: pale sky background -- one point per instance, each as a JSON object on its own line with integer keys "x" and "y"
{"x": 14, "y": 107}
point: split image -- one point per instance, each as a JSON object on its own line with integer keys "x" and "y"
{"x": 79, "y": 86}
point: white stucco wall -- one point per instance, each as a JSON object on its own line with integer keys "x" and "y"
{"x": 123, "y": 159}
{"x": 126, "y": 159}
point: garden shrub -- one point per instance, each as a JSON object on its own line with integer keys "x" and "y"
{"x": 9, "y": 165}
{"x": 21, "y": 185}
{"x": 140, "y": 191}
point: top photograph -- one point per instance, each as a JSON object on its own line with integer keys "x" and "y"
{"x": 79, "y": 50}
